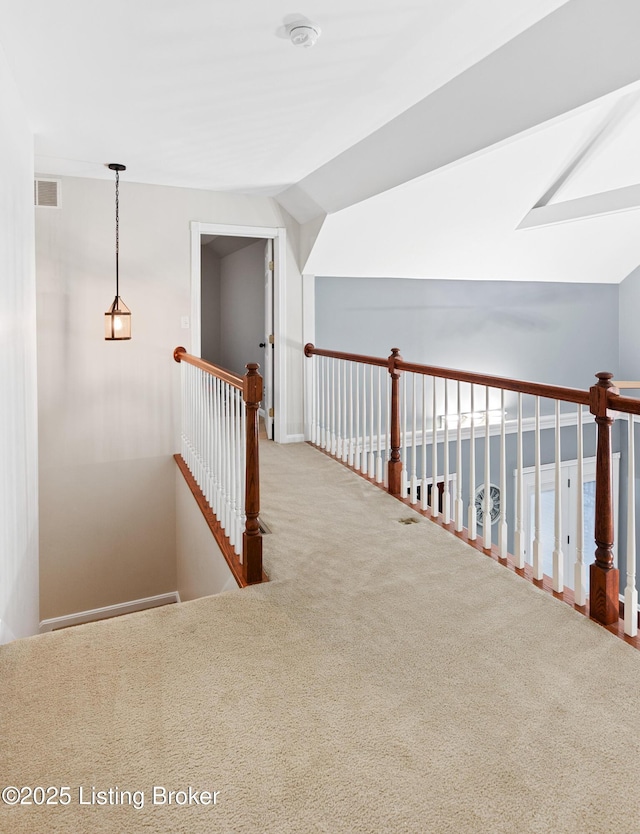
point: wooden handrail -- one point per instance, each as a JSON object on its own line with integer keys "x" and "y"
{"x": 252, "y": 389}
{"x": 626, "y": 404}
{"x": 554, "y": 392}
{"x": 536, "y": 389}
{"x": 180, "y": 355}
{"x": 603, "y": 400}
{"x": 312, "y": 350}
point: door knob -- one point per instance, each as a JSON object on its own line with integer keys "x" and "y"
{"x": 263, "y": 344}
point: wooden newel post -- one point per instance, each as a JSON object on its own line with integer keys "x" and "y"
{"x": 395, "y": 462}
{"x": 252, "y": 537}
{"x": 604, "y": 590}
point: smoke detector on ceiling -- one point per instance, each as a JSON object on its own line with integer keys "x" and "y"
{"x": 304, "y": 34}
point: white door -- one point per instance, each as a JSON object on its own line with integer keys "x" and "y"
{"x": 268, "y": 343}
{"x": 569, "y": 514}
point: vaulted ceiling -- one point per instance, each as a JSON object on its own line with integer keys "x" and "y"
{"x": 443, "y": 138}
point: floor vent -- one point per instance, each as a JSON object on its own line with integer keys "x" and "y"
{"x": 46, "y": 193}
{"x": 264, "y": 529}
{"x": 410, "y": 520}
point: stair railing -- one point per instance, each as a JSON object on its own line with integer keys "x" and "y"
{"x": 398, "y": 428}
{"x": 219, "y": 448}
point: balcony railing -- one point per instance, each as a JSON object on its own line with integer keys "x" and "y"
{"x": 219, "y": 448}
{"x": 443, "y": 440}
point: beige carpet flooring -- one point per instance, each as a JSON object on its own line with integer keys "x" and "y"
{"x": 388, "y": 679}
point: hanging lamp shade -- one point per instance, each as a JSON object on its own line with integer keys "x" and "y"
{"x": 117, "y": 319}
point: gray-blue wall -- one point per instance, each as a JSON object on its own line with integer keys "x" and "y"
{"x": 629, "y": 305}
{"x": 543, "y": 332}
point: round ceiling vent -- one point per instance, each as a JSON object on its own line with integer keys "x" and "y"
{"x": 304, "y": 34}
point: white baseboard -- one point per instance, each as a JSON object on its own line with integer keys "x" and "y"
{"x": 108, "y": 611}
{"x": 295, "y": 438}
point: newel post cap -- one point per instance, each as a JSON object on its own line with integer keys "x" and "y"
{"x": 252, "y": 392}
{"x": 600, "y": 393}
{"x": 395, "y": 355}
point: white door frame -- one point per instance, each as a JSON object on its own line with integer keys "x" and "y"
{"x": 279, "y": 237}
{"x": 547, "y": 478}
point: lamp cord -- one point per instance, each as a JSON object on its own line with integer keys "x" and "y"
{"x": 117, "y": 231}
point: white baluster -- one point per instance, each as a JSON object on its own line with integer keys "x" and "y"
{"x": 198, "y": 439}
{"x": 379, "y": 458}
{"x": 538, "y": 560}
{"x": 372, "y": 458}
{"x": 240, "y": 472}
{"x": 558, "y": 555}
{"x": 446, "y": 497}
{"x": 414, "y": 448}
{"x": 187, "y": 412}
{"x": 219, "y": 450}
{"x": 472, "y": 522}
{"x": 223, "y": 452}
{"x": 341, "y": 409}
{"x": 364, "y": 459}
{"x": 334, "y": 407}
{"x": 630, "y": 592}
{"x": 242, "y": 469}
{"x": 518, "y": 534}
{"x": 325, "y": 403}
{"x": 320, "y": 440}
{"x": 229, "y": 519}
{"x": 312, "y": 435}
{"x": 435, "y": 512}
{"x": 194, "y": 424}
{"x": 182, "y": 408}
{"x": 356, "y": 394}
{"x": 210, "y": 381}
{"x": 423, "y": 484}
{"x": 345, "y": 443}
{"x": 404, "y": 479}
{"x": 351, "y": 437}
{"x": 459, "y": 507}
{"x": 503, "y": 531}
{"x": 486, "y": 509}
{"x": 580, "y": 569}
{"x": 232, "y": 467}
{"x": 387, "y": 455}
{"x": 329, "y": 361}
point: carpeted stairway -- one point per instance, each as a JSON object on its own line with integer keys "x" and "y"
{"x": 389, "y": 679}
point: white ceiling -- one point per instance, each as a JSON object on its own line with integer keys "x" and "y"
{"x": 428, "y": 130}
{"x": 461, "y": 222}
{"x": 211, "y": 94}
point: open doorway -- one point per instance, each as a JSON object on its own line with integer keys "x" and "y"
{"x": 236, "y": 299}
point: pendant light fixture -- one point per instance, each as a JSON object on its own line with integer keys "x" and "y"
{"x": 117, "y": 319}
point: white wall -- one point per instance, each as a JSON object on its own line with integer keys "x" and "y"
{"x": 242, "y": 307}
{"x": 109, "y": 411}
{"x": 18, "y": 415}
{"x": 201, "y": 568}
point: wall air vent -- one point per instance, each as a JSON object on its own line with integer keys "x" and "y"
{"x": 47, "y": 193}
